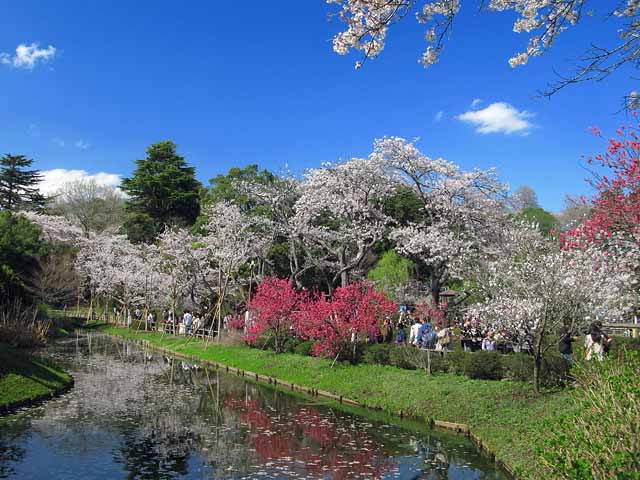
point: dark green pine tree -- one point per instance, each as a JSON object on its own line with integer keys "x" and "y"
{"x": 163, "y": 191}
{"x": 19, "y": 186}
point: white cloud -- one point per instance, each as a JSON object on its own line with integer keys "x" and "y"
{"x": 53, "y": 180}
{"x": 499, "y": 117}
{"x": 82, "y": 145}
{"x": 476, "y": 102}
{"x": 438, "y": 116}
{"x": 34, "y": 130}
{"x": 28, "y": 56}
{"x": 58, "y": 141}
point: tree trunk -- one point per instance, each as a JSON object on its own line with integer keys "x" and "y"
{"x": 344, "y": 275}
{"x": 537, "y": 361}
{"x": 435, "y": 290}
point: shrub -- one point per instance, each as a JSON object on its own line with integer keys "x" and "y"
{"x": 290, "y": 344}
{"x": 304, "y": 348}
{"x": 455, "y": 361}
{"x": 555, "y": 369}
{"x": 402, "y": 357}
{"x": 20, "y": 325}
{"x": 518, "y": 366}
{"x": 598, "y": 438}
{"x": 483, "y": 366}
{"x": 624, "y": 343}
{"x": 378, "y": 353}
{"x": 354, "y": 310}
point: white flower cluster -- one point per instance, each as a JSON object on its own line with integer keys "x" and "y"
{"x": 532, "y": 287}
{"x": 179, "y": 269}
{"x": 367, "y": 23}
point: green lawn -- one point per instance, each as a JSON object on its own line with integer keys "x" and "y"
{"x": 24, "y": 377}
{"x": 505, "y": 415}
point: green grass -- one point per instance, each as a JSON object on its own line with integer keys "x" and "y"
{"x": 25, "y": 378}
{"x": 505, "y": 415}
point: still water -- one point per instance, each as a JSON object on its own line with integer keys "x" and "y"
{"x": 134, "y": 413}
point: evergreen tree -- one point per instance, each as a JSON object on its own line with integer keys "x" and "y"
{"x": 18, "y": 186}
{"x": 162, "y": 191}
{"x": 20, "y": 248}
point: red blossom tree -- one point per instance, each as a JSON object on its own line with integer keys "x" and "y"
{"x": 273, "y": 310}
{"x": 345, "y": 321}
{"x": 616, "y": 205}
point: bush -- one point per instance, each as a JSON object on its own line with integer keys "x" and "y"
{"x": 598, "y": 438}
{"x": 304, "y": 348}
{"x": 555, "y": 369}
{"x": 290, "y": 344}
{"x": 518, "y": 366}
{"x": 483, "y": 366}
{"x": 378, "y": 354}
{"x": 455, "y": 361}
{"x": 402, "y": 357}
{"x": 624, "y": 343}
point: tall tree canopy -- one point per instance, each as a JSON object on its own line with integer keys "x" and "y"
{"x": 94, "y": 207}
{"x": 163, "y": 191}
{"x": 544, "y": 220}
{"x": 19, "y": 186}
{"x": 20, "y": 248}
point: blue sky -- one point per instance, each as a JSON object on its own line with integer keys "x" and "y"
{"x": 234, "y": 83}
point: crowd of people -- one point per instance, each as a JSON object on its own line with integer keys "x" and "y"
{"x": 439, "y": 335}
{"x": 408, "y": 329}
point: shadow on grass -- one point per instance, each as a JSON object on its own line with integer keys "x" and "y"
{"x": 40, "y": 371}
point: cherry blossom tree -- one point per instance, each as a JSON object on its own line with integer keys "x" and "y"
{"x": 116, "y": 269}
{"x": 368, "y": 21}
{"x": 274, "y": 306}
{"x": 462, "y": 211}
{"x": 532, "y": 288}
{"x": 56, "y": 228}
{"x": 176, "y": 261}
{"x": 232, "y": 238}
{"x": 340, "y": 216}
{"x": 278, "y": 197}
{"x": 345, "y": 321}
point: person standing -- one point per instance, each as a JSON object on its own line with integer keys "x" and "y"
{"x": 488, "y": 343}
{"x": 565, "y": 344}
{"x": 187, "y": 319}
{"x": 413, "y": 332}
{"x": 594, "y": 344}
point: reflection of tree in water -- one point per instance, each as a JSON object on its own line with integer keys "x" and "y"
{"x": 9, "y": 453}
{"x": 155, "y": 451}
{"x": 306, "y": 441}
{"x": 158, "y": 417}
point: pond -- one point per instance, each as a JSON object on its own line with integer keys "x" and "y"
{"x": 134, "y": 413}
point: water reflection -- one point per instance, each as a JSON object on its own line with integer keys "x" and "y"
{"x": 135, "y": 414}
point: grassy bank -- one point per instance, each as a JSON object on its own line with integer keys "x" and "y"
{"x": 25, "y": 379}
{"x": 505, "y": 415}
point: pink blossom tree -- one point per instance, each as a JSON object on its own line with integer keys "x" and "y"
{"x": 346, "y": 320}
{"x": 274, "y": 308}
